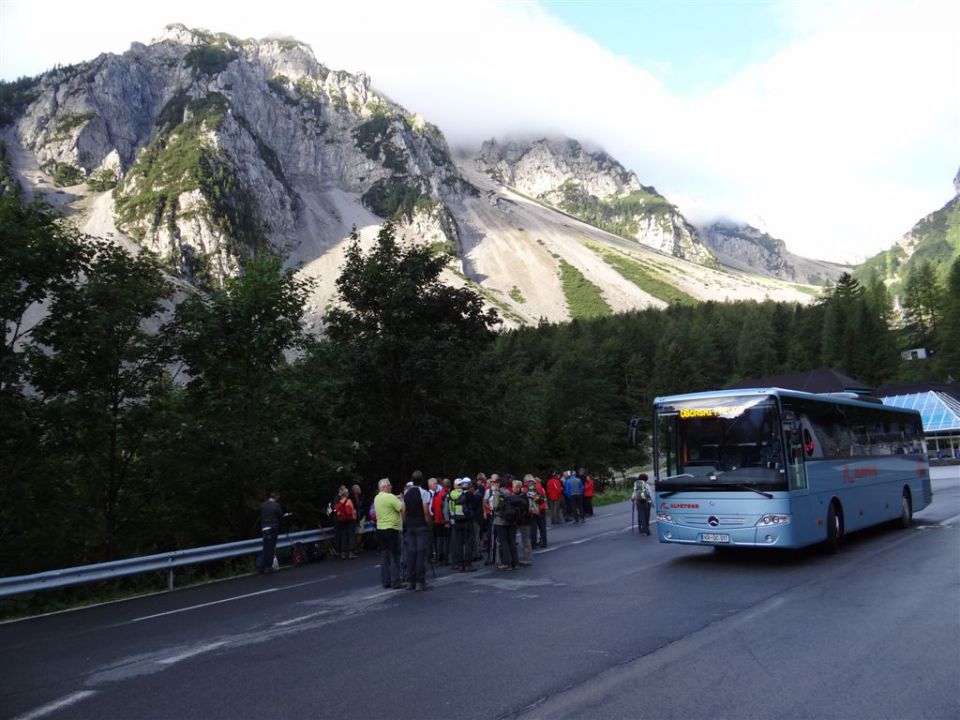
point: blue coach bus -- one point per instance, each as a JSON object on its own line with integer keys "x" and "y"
{"x": 779, "y": 468}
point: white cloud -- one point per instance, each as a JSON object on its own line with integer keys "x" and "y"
{"x": 840, "y": 142}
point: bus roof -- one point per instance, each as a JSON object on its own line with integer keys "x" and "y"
{"x": 841, "y": 398}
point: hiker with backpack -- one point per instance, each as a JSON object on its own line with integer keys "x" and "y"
{"x": 641, "y": 497}
{"x": 526, "y": 510}
{"x": 588, "y": 487}
{"x": 345, "y": 522}
{"x": 555, "y": 497}
{"x": 505, "y": 517}
{"x": 441, "y": 521}
{"x": 417, "y": 522}
{"x": 538, "y": 524}
{"x": 360, "y": 505}
{"x": 573, "y": 487}
{"x": 460, "y": 502}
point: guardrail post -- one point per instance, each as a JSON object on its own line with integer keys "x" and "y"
{"x": 170, "y": 575}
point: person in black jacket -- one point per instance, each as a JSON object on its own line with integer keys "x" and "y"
{"x": 270, "y": 515}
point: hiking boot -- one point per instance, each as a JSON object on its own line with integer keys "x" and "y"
{"x": 421, "y": 587}
{"x": 503, "y": 567}
{"x": 411, "y": 586}
{"x": 352, "y": 555}
{"x": 469, "y": 568}
{"x": 526, "y": 562}
{"x": 397, "y": 586}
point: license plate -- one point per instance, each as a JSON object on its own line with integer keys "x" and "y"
{"x": 715, "y": 537}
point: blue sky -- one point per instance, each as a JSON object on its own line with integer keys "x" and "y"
{"x": 688, "y": 46}
{"x": 832, "y": 125}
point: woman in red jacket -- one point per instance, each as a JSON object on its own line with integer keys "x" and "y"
{"x": 554, "y": 498}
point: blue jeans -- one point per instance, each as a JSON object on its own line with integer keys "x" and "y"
{"x": 265, "y": 558}
{"x": 416, "y": 550}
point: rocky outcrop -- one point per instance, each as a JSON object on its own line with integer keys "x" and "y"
{"x": 207, "y": 137}
{"x": 594, "y": 187}
{"x": 745, "y": 247}
{"x": 934, "y": 238}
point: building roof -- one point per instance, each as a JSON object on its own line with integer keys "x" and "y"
{"x": 939, "y": 411}
{"x": 821, "y": 380}
{"x": 951, "y": 389}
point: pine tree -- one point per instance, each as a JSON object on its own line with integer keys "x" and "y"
{"x": 948, "y": 336}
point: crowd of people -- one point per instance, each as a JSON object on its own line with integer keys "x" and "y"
{"x": 496, "y": 520}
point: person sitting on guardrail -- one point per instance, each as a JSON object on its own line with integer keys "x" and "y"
{"x": 270, "y": 515}
{"x": 345, "y": 520}
{"x": 389, "y": 511}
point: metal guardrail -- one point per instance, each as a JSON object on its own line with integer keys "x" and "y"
{"x": 168, "y": 561}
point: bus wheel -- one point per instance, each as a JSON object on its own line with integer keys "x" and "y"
{"x": 906, "y": 510}
{"x": 834, "y": 528}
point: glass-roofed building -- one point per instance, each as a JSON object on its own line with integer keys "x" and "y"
{"x": 939, "y": 407}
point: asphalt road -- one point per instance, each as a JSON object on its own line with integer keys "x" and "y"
{"x": 606, "y": 624}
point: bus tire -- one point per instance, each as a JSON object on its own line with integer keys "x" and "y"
{"x": 906, "y": 510}
{"x": 834, "y": 528}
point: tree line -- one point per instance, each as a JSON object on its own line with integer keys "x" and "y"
{"x": 138, "y": 415}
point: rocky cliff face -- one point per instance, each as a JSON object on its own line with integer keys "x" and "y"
{"x": 209, "y": 149}
{"x": 934, "y": 238}
{"x": 746, "y": 247}
{"x": 211, "y": 143}
{"x": 596, "y": 188}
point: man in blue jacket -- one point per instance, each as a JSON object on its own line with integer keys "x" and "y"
{"x": 573, "y": 487}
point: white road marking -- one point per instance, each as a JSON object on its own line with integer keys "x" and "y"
{"x": 190, "y": 653}
{"x": 229, "y": 599}
{"x": 950, "y": 520}
{"x": 201, "y": 605}
{"x": 52, "y": 707}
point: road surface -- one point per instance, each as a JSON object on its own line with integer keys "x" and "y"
{"x": 606, "y": 624}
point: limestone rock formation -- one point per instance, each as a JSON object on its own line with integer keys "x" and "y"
{"x": 212, "y": 142}
{"x": 744, "y": 246}
{"x": 596, "y": 188}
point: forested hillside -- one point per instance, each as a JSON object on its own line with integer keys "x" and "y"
{"x": 137, "y": 417}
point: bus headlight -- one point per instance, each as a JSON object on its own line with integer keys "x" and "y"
{"x": 768, "y": 520}
{"x": 664, "y": 517}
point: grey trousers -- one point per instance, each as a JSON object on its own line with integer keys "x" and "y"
{"x": 643, "y": 517}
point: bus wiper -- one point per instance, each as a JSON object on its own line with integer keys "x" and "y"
{"x": 751, "y": 489}
{"x": 674, "y": 477}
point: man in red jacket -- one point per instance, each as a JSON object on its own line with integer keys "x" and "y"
{"x": 441, "y": 524}
{"x": 587, "y": 494}
{"x": 554, "y": 497}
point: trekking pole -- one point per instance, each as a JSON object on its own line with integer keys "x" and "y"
{"x": 633, "y": 512}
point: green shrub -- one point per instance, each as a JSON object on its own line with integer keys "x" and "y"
{"x": 68, "y": 122}
{"x": 393, "y": 197}
{"x": 102, "y": 180}
{"x": 65, "y": 175}
{"x": 641, "y": 276}
{"x": 583, "y": 297}
{"x": 209, "y": 60}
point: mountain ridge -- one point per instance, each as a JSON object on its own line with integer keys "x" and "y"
{"x": 209, "y": 149}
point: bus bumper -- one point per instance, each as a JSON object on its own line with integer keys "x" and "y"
{"x": 775, "y": 536}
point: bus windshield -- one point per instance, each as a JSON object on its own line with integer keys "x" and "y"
{"x": 728, "y": 443}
